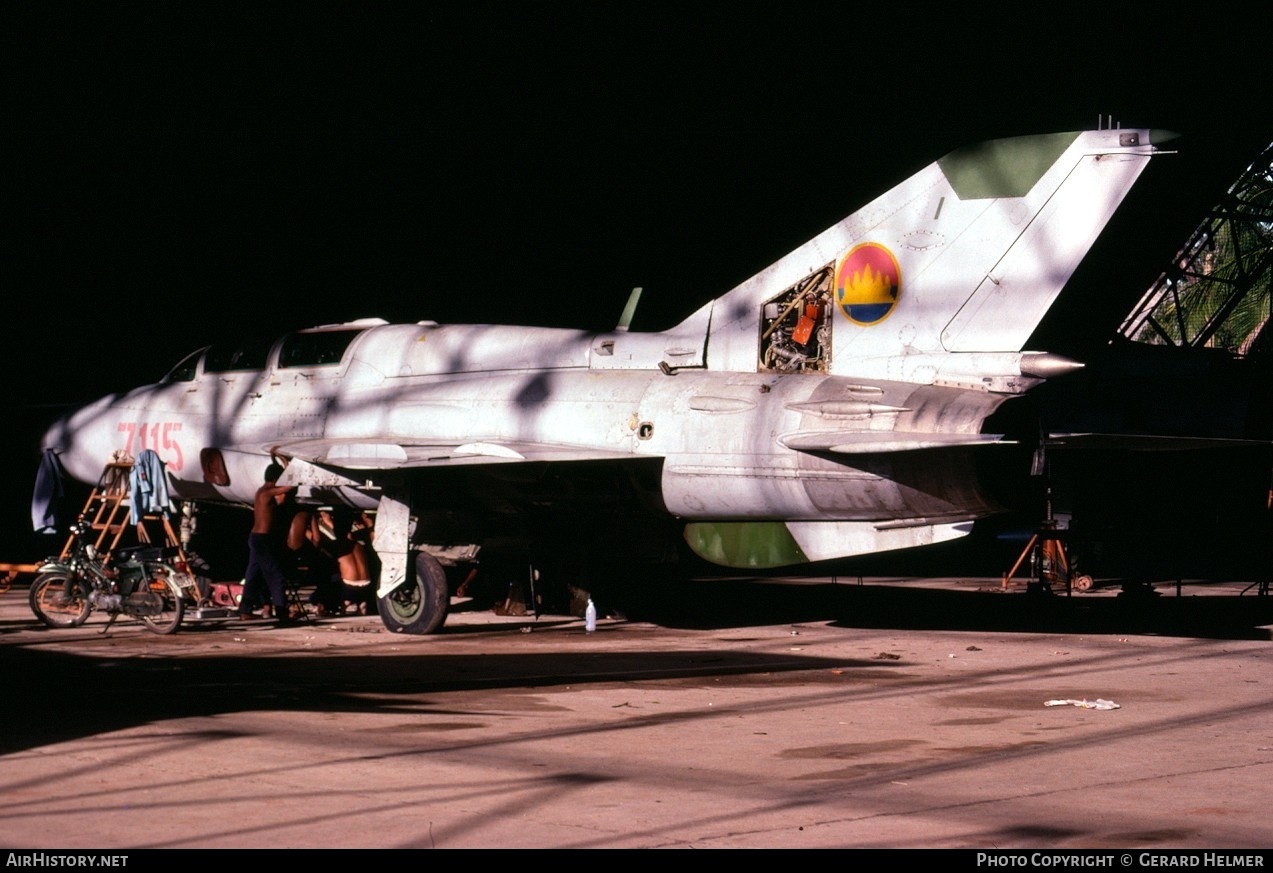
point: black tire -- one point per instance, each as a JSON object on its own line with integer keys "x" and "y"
{"x": 49, "y": 586}
{"x": 168, "y": 620}
{"x": 419, "y": 605}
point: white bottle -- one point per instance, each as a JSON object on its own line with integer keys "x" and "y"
{"x": 590, "y": 617}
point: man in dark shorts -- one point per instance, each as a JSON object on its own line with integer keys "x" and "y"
{"x": 265, "y": 548}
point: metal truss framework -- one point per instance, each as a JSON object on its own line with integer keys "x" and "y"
{"x": 1216, "y": 292}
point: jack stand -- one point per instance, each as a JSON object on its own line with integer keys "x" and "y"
{"x": 1049, "y": 564}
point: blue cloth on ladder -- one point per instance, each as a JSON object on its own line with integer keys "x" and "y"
{"x": 46, "y": 500}
{"x": 148, "y": 487}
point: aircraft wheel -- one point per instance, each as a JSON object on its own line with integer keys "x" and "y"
{"x": 1082, "y": 583}
{"x": 419, "y": 605}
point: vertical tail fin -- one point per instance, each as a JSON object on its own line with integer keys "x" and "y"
{"x": 962, "y": 259}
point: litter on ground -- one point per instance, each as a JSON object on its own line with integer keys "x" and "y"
{"x": 1098, "y": 703}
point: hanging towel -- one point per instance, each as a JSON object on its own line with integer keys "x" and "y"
{"x": 46, "y": 500}
{"x": 149, "y": 487}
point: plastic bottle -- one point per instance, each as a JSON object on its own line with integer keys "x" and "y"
{"x": 590, "y": 617}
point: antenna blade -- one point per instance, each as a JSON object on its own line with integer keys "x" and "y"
{"x": 625, "y": 320}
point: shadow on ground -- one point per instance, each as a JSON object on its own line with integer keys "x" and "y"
{"x": 726, "y": 603}
{"x": 56, "y": 696}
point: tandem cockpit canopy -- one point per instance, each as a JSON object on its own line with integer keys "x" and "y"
{"x": 315, "y": 347}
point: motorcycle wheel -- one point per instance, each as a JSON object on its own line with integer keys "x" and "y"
{"x": 45, "y": 592}
{"x": 167, "y": 621}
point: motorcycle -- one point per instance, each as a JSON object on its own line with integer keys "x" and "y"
{"x": 137, "y": 583}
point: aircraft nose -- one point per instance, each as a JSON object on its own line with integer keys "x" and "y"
{"x": 73, "y": 433}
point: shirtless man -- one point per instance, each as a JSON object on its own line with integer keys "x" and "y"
{"x": 350, "y": 587}
{"x": 264, "y": 548}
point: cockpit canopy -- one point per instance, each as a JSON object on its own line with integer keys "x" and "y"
{"x": 316, "y": 347}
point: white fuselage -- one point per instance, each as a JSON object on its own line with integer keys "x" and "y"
{"x": 720, "y": 435}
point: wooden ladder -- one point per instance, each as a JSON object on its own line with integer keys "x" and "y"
{"x": 107, "y": 511}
